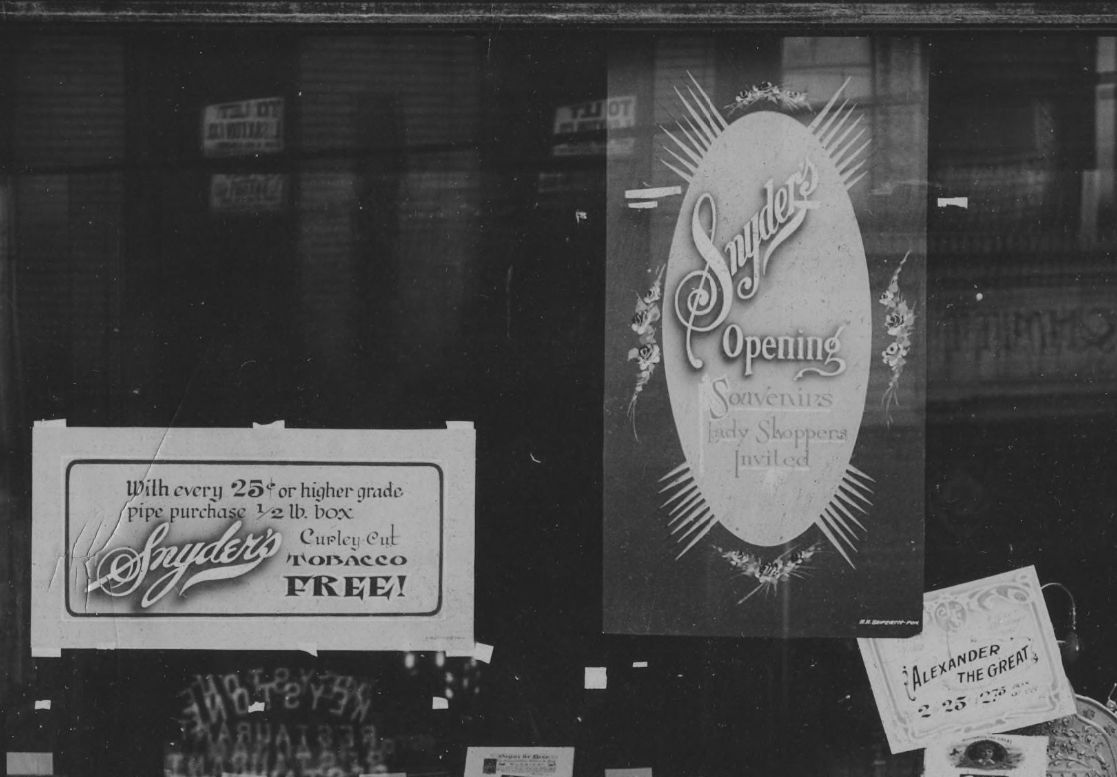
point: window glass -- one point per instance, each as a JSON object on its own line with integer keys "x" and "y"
{"x": 416, "y": 227}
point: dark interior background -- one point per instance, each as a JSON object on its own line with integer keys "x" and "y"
{"x": 427, "y": 264}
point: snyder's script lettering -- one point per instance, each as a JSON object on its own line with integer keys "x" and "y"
{"x": 704, "y": 297}
{"x": 123, "y": 571}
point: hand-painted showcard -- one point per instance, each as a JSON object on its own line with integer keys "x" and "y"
{"x": 987, "y": 661}
{"x": 252, "y": 539}
{"x": 764, "y": 473}
{"x": 990, "y": 754}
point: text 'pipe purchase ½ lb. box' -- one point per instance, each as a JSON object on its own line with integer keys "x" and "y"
{"x": 265, "y": 538}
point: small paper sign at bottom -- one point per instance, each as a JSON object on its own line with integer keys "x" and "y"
{"x": 976, "y": 756}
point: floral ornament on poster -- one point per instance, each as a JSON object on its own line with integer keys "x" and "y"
{"x": 647, "y": 354}
{"x": 898, "y": 323}
{"x": 769, "y": 575}
{"x": 766, "y": 92}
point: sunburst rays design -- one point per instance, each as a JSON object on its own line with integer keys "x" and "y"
{"x": 699, "y": 128}
{"x": 702, "y": 123}
{"x": 689, "y": 517}
{"x": 833, "y": 129}
{"x": 839, "y": 521}
{"x": 839, "y": 131}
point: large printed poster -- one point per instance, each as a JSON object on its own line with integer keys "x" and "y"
{"x": 763, "y": 416}
{"x": 252, "y": 539}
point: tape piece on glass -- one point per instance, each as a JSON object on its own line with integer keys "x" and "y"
{"x": 22, "y": 763}
{"x": 652, "y": 193}
{"x": 957, "y": 202}
{"x": 479, "y": 652}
